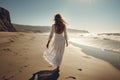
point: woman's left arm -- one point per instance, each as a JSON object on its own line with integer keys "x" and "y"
{"x": 50, "y": 36}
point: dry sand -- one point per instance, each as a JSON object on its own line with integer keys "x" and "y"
{"x": 21, "y": 56}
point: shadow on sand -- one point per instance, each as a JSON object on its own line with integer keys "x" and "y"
{"x": 46, "y": 75}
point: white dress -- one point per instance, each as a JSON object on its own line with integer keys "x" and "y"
{"x": 53, "y": 55}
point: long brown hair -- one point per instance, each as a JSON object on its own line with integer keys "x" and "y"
{"x": 59, "y": 24}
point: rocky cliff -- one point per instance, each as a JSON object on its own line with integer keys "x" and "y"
{"x": 5, "y": 22}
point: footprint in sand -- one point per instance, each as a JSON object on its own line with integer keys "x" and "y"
{"x": 20, "y": 55}
{"x": 20, "y": 71}
{"x": 80, "y": 69}
{"x": 4, "y": 77}
{"x": 11, "y": 40}
{"x": 8, "y": 71}
{"x": 70, "y": 77}
{"x": 22, "y": 67}
{"x": 32, "y": 38}
{"x": 10, "y": 64}
{"x": 15, "y": 53}
{"x": 6, "y": 49}
{"x": 10, "y": 77}
{"x": 26, "y": 58}
{"x": 21, "y": 34}
{"x": 27, "y": 65}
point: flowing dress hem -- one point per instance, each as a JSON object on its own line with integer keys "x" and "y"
{"x": 49, "y": 61}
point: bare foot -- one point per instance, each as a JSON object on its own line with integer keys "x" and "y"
{"x": 80, "y": 69}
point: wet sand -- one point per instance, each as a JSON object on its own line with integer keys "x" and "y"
{"x": 111, "y": 57}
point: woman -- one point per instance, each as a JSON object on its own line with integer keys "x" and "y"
{"x": 54, "y": 54}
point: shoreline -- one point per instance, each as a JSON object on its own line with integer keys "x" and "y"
{"x": 109, "y": 56}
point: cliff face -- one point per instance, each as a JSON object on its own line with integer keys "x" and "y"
{"x": 5, "y": 22}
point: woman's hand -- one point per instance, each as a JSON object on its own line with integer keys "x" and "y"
{"x": 66, "y": 43}
{"x": 48, "y": 44}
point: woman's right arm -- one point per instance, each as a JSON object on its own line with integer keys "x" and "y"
{"x": 66, "y": 37}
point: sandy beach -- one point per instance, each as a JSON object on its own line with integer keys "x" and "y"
{"x": 21, "y": 56}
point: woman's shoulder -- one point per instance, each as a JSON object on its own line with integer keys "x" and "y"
{"x": 53, "y": 25}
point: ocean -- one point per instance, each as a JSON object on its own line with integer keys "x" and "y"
{"x": 103, "y": 41}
